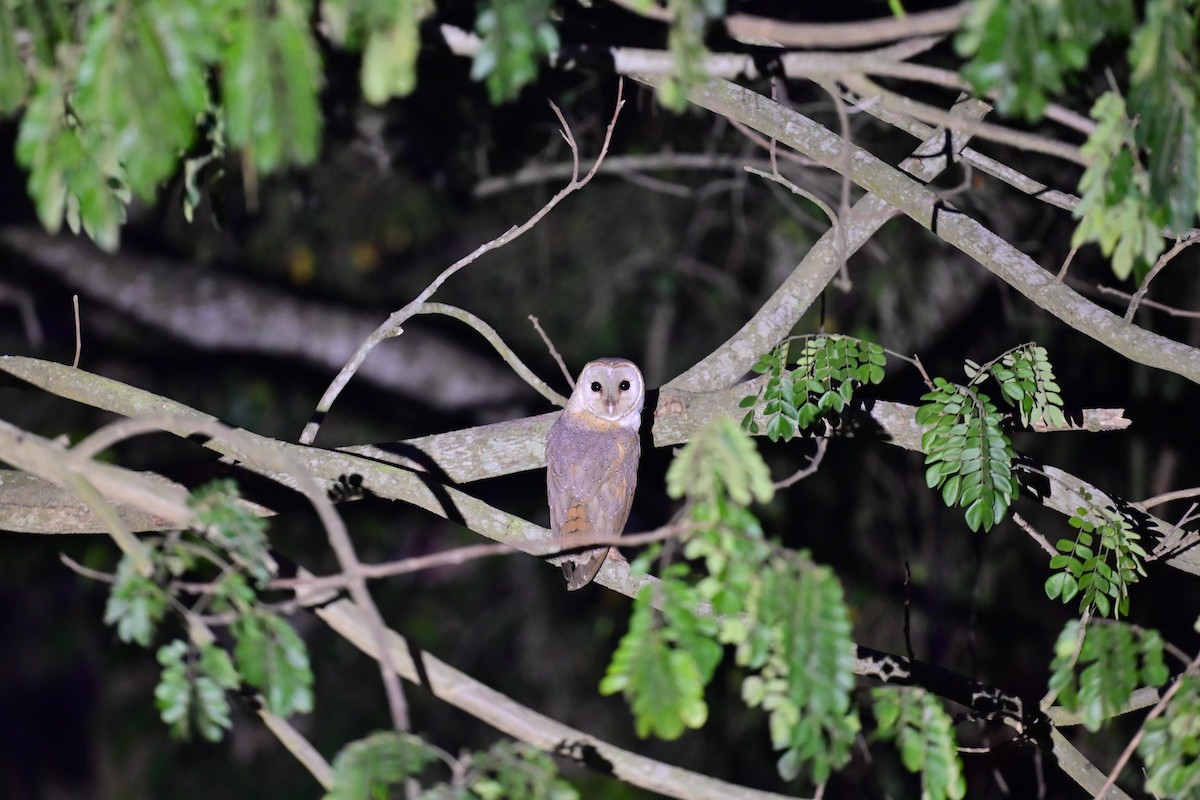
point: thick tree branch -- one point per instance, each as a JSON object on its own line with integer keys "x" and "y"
{"x": 950, "y": 224}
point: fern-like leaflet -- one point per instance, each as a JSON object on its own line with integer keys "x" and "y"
{"x": 827, "y": 370}
{"x": 968, "y": 456}
{"x": 1100, "y": 564}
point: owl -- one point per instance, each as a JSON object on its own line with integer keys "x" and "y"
{"x": 591, "y": 461}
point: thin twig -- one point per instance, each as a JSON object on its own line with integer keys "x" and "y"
{"x": 87, "y": 572}
{"x": 392, "y": 326}
{"x": 1163, "y": 307}
{"x": 844, "y": 198}
{"x": 1034, "y": 534}
{"x": 1162, "y": 261}
{"x": 1062, "y": 271}
{"x": 814, "y": 463}
{"x": 1155, "y": 712}
{"x": 78, "y": 335}
{"x": 1167, "y": 497}
{"x": 558, "y": 359}
{"x": 493, "y": 338}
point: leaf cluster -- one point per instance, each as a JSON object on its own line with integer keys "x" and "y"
{"x": 785, "y": 617}
{"x": 115, "y": 96}
{"x": 967, "y": 454}
{"x": 827, "y": 370}
{"x": 1171, "y": 745}
{"x": 268, "y": 655}
{"x": 1025, "y": 51}
{"x": 1100, "y": 564}
{"x": 1097, "y": 667}
{"x": 378, "y": 765}
{"x": 516, "y": 35}
{"x": 924, "y": 732}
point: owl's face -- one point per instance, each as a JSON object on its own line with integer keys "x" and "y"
{"x": 611, "y": 389}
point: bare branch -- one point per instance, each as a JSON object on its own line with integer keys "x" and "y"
{"x": 1162, "y": 261}
{"x": 558, "y": 359}
{"x": 392, "y": 326}
{"x": 762, "y": 30}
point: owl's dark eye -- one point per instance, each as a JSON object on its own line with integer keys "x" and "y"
{"x": 595, "y": 386}
{"x": 624, "y": 386}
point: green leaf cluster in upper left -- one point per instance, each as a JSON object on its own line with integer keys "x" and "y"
{"x": 113, "y": 111}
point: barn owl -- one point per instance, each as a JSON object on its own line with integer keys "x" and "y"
{"x": 591, "y": 461}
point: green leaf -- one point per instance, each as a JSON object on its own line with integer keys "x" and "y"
{"x": 1172, "y": 743}
{"x": 516, "y": 770}
{"x": 1026, "y": 50}
{"x": 663, "y": 683}
{"x": 195, "y": 697}
{"x": 720, "y": 461}
{"x": 925, "y": 734}
{"x": 1165, "y": 96}
{"x": 1115, "y": 209}
{"x": 142, "y": 82}
{"x": 273, "y": 658}
{"x": 516, "y": 35}
{"x": 136, "y": 604}
{"x": 229, "y": 525}
{"x": 374, "y": 765}
{"x": 809, "y": 673}
{"x": 387, "y": 32}
{"x": 270, "y": 75}
{"x": 1112, "y": 660}
{"x": 14, "y": 81}
{"x": 66, "y": 181}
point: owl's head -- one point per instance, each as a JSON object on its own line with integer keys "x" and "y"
{"x": 612, "y": 390}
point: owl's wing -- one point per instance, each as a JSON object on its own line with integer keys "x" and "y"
{"x": 590, "y": 481}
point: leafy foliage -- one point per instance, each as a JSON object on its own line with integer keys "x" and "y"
{"x": 967, "y": 455}
{"x": 1115, "y": 207}
{"x": 136, "y": 604}
{"x": 516, "y": 35}
{"x": 685, "y": 41}
{"x": 802, "y": 647}
{"x": 1026, "y": 380}
{"x": 371, "y": 766}
{"x": 1101, "y": 572}
{"x": 191, "y": 693}
{"x": 269, "y": 655}
{"x": 663, "y": 668}
{"x": 232, "y": 527}
{"x": 1025, "y": 51}
{"x": 1165, "y": 97}
{"x": 66, "y": 179}
{"x": 513, "y": 770}
{"x": 925, "y": 734}
{"x": 1171, "y": 745}
{"x": 273, "y": 658}
{"x": 1096, "y": 669}
{"x": 387, "y": 33}
{"x": 828, "y": 368}
{"x": 786, "y": 617}
{"x": 270, "y": 74}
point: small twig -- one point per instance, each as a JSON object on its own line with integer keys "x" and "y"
{"x": 87, "y": 572}
{"x": 814, "y": 463}
{"x": 769, "y": 146}
{"x": 1062, "y": 271}
{"x": 794, "y": 189}
{"x": 1167, "y": 497}
{"x": 392, "y": 326}
{"x": 1034, "y": 534}
{"x": 844, "y": 198}
{"x": 1157, "y": 306}
{"x": 558, "y": 359}
{"x": 1162, "y": 261}
{"x": 299, "y": 747}
{"x": 647, "y": 10}
{"x": 78, "y": 336}
{"x": 1155, "y": 712}
{"x": 493, "y": 338}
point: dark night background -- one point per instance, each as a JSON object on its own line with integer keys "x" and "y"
{"x": 660, "y": 275}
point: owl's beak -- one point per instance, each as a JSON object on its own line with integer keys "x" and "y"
{"x": 611, "y": 405}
